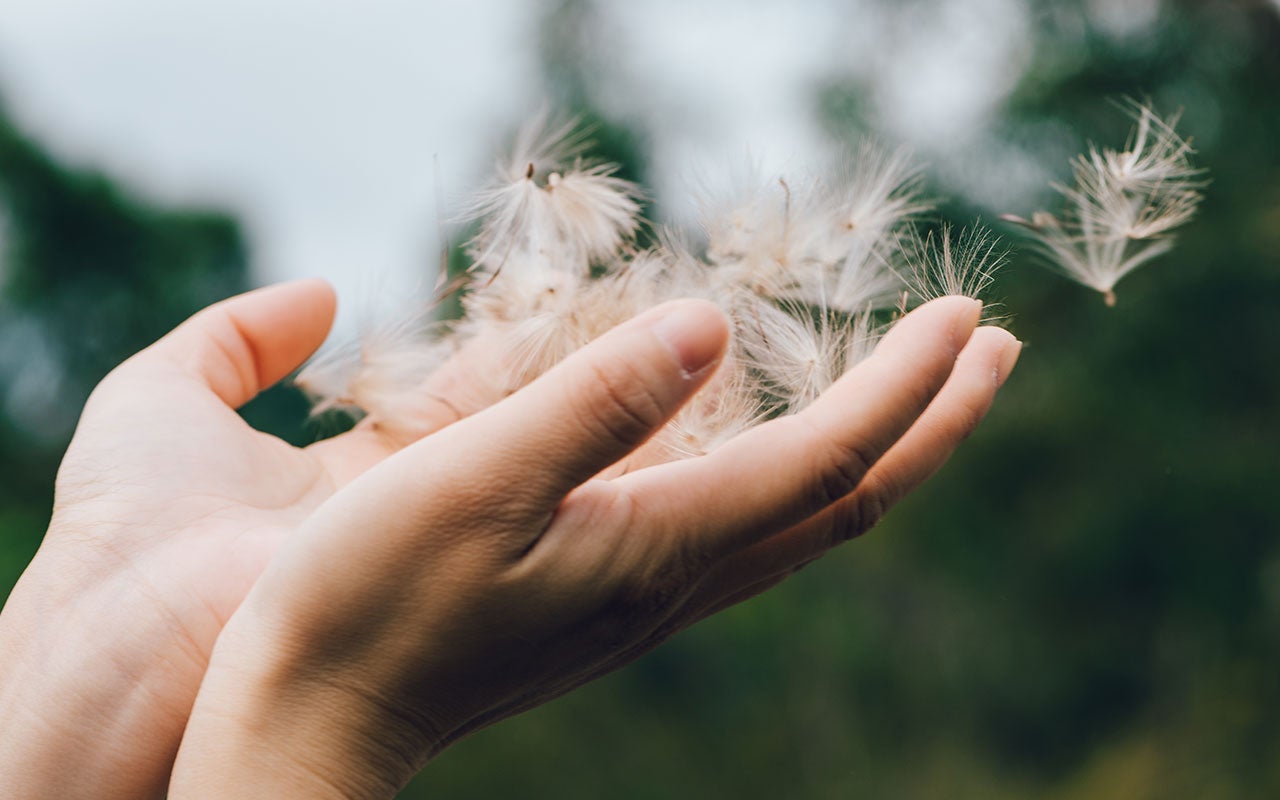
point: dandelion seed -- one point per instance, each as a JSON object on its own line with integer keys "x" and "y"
{"x": 798, "y": 352}
{"x": 801, "y": 266}
{"x": 1121, "y": 206}
{"x": 730, "y": 404}
{"x": 862, "y": 335}
{"x": 1155, "y": 155}
{"x": 818, "y": 242}
{"x": 381, "y": 376}
{"x": 867, "y": 278}
{"x": 748, "y": 233}
{"x": 548, "y": 211}
{"x": 964, "y": 265}
{"x": 881, "y": 191}
{"x": 853, "y": 227}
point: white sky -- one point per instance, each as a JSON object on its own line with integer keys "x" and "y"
{"x": 331, "y": 129}
{"x": 321, "y": 129}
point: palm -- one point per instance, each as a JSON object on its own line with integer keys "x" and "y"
{"x": 210, "y": 498}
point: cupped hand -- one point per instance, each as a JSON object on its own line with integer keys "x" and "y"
{"x": 168, "y": 506}
{"x": 485, "y": 569}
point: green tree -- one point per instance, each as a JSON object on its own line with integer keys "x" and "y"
{"x": 91, "y": 274}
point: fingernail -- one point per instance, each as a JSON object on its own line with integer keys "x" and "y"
{"x": 1008, "y": 357}
{"x": 695, "y": 331}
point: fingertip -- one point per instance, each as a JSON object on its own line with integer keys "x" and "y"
{"x": 993, "y": 337}
{"x": 314, "y": 295}
{"x": 953, "y": 317}
{"x": 323, "y": 290}
{"x": 955, "y": 304}
{"x": 1008, "y": 359}
{"x": 290, "y": 318}
{"x": 966, "y": 314}
{"x": 695, "y": 332}
{"x": 993, "y": 349}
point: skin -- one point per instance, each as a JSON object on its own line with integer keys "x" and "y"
{"x": 373, "y": 602}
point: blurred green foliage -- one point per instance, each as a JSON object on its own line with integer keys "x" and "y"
{"x": 1084, "y": 604}
{"x": 91, "y": 274}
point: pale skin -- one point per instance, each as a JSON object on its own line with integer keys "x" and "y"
{"x": 322, "y": 621}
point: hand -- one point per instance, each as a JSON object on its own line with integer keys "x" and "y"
{"x": 484, "y": 570}
{"x": 167, "y": 508}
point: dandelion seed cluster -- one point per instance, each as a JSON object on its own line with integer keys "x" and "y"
{"x": 811, "y": 274}
{"x": 1122, "y": 205}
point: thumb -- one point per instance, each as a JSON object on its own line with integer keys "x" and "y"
{"x": 242, "y": 345}
{"x": 596, "y": 406}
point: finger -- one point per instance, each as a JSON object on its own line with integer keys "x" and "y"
{"x": 788, "y": 469}
{"x": 453, "y": 391}
{"x": 593, "y": 408}
{"x": 242, "y": 345}
{"x": 980, "y": 371}
{"x": 449, "y": 394}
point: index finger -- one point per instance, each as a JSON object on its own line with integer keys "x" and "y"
{"x": 791, "y": 468}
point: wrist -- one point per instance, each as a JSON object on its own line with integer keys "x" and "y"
{"x": 264, "y": 725}
{"x": 92, "y": 704}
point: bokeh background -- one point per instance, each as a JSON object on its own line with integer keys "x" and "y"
{"x": 1084, "y": 604}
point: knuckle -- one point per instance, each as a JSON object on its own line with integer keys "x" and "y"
{"x": 857, "y": 514}
{"x": 226, "y": 347}
{"x": 845, "y": 524}
{"x": 641, "y": 604}
{"x": 841, "y": 464}
{"x": 872, "y": 504}
{"x": 620, "y": 406}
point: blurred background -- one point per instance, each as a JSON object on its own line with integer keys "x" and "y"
{"x": 1084, "y": 604}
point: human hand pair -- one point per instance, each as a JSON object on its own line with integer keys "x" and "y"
{"x": 416, "y": 609}
{"x": 462, "y": 579}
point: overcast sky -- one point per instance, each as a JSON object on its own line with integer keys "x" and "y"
{"x": 324, "y": 131}
{"x": 343, "y": 134}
